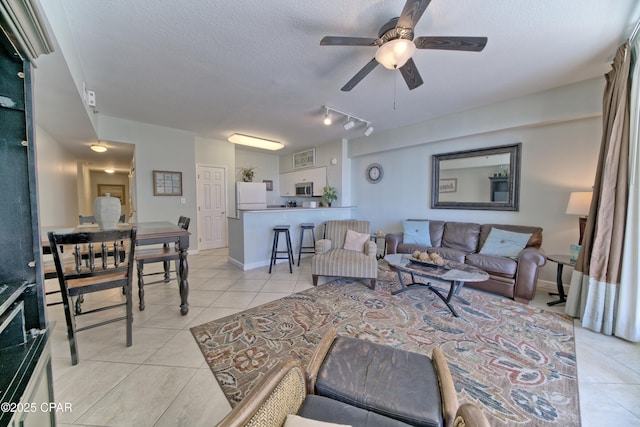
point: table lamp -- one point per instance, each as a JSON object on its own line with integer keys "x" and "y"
{"x": 579, "y": 204}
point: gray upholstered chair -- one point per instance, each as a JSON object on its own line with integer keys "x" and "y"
{"x": 333, "y": 260}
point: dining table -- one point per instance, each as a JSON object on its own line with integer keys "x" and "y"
{"x": 148, "y": 233}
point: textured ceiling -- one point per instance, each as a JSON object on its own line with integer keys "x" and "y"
{"x": 256, "y": 67}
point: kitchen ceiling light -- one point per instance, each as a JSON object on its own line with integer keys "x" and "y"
{"x": 395, "y": 53}
{"x": 98, "y": 148}
{"x": 109, "y": 170}
{"x": 253, "y": 141}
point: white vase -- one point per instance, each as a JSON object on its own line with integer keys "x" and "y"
{"x": 107, "y": 211}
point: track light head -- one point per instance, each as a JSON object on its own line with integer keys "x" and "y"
{"x": 327, "y": 117}
{"x": 350, "y": 124}
{"x": 368, "y": 130}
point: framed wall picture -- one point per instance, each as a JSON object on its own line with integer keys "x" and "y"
{"x": 449, "y": 185}
{"x": 167, "y": 183}
{"x": 114, "y": 190}
{"x": 304, "y": 159}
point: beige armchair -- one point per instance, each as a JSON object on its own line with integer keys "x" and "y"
{"x": 331, "y": 259}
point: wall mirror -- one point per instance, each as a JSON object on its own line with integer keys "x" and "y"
{"x": 486, "y": 179}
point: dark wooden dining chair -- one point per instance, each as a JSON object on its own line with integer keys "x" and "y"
{"x": 91, "y": 262}
{"x": 165, "y": 255}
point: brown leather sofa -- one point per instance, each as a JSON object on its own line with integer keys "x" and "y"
{"x": 462, "y": 242}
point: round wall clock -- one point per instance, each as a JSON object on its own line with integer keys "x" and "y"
{"x": 374, "y": 173}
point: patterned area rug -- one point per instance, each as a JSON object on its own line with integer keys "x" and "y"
{"x": 514, "y": 361}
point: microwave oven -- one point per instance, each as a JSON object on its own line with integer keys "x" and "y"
{"x": 304, "y": 189}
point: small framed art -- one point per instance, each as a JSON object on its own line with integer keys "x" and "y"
{"x": 167, "y": 183}
{"x": 304, "y": 159}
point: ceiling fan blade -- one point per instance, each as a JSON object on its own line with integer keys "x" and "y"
{"x": 411, "y": 75}
{"x": 360, "y": 75}
{"x": 469, "y": 44}
{"x": 347, "y": 41}
{"x": 412, "y": 12}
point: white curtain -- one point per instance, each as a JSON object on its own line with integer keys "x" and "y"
{"x": 628, "y": 314}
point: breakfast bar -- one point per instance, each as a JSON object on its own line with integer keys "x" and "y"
{"x": 251, "y": 231}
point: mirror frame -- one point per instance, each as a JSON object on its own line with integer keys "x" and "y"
{"x": 514, "y": 151}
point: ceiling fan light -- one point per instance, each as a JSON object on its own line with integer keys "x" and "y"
{"x": 395, "y": 53}
{"x": 252, "y": 141}
{"x": 98, "y": 148}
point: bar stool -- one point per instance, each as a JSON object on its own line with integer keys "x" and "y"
{"x": 277, "y": 229}
{"x": 306, "y": 249}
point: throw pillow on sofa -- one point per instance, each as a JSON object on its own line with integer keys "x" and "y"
{"x": 355, "y": 241}
{"x": 416, "y": 232}
{"x": 504, "y": 243}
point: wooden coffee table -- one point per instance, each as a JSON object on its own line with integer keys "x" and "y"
{"x": 452, "y": 273}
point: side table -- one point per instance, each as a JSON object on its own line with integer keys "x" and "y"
{"x": 381, "y": 252}
{"x": 561, "y": 260}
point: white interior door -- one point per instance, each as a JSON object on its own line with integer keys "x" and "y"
{"x": 212, "y": 207}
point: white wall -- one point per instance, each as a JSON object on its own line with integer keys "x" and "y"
{"x": 158, "y": 148}
{"x": 558, "y": 157}
{"x": 57, "y": 194}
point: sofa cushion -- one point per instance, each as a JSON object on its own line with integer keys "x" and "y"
{"x": 534, "y": 241}
{"x": 416, "y": 232}
{"x": 461, "y": 235}
{"x": 328, "y": 410}
{"x": 355, "y": 241}
{"x": 377, "y": 378}
{"x": 496, "y": 266}
{"x": 504, "y": 243}
{"x": 436, "y": 229}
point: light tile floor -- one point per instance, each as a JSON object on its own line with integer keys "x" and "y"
{"x": 163, "y": 380}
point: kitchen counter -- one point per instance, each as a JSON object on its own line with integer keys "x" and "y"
{"x": 251, "y": 232}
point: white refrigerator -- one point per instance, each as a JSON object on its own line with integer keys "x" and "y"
{"x": 251, "y": 195}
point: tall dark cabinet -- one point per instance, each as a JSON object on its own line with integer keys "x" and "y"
{"x": 26, "y": 387}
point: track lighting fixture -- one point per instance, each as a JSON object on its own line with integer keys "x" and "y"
{"x": 351, "y": 120}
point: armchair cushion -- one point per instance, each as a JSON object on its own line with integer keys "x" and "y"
{"x": 376, "y": 378}
{"x": 298, "y": 421}
{"x": 355, "y": 241}
{"x": 329, "y": 410}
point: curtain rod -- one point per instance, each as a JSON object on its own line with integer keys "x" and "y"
{"x": 634, "y": 33}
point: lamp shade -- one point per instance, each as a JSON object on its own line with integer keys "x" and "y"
{"x": 579, "y": 203}
{"x": 395, "y": 53}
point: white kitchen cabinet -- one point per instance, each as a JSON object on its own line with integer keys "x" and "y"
{"x": 287, "y": 184}
{"x": 289, "y": 180}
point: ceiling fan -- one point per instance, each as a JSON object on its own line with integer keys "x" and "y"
{"x": 396, "y": 45}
